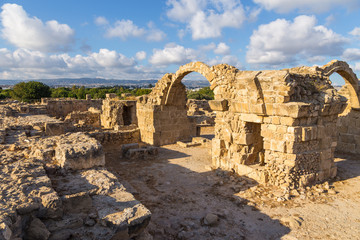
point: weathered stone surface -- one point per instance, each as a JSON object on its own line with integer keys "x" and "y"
{"x": 79, "y": 151}
{"x": 126, "y": 147}
{"x": 218, "y": 105}
{"x": 117, "y": 113}
{"x": 98, "y": 193}
{"x": 54, "y": 129}
{"x": 37, "y": 230}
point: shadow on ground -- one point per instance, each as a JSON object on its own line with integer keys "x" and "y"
{"x": 348, "y": 166}
{"x": 180, "y": 190}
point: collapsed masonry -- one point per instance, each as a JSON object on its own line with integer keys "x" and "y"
{"x": 54, "y": 184}
{"x": 278, "y": 127}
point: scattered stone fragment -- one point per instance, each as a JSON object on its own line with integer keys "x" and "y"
{"x": 211, "y": 219}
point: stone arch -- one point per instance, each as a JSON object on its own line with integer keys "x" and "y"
{"x": 184, "y": 70}
{"x": 351, "y": 80}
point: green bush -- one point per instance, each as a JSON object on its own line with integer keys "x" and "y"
{"x": 4, "y": 94}
{"x": 203, "y": 93}
{"x": 60, "y": 92}
{"x": 30, "y": 91}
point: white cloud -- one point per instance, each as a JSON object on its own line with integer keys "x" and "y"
{"x": 27, "y": 64}
{"x": 355, "y": 32}
{"x": 228, "y": 59}
{"x": 222, "y": 49}
{"x": 357, "y": 66}
{"x": 101, "y": 21}
{"x": 140, "y": 55}
{"x": 330, "y": 19}
{"x": 104, "y": 59}
{"x": 253, "y": 15}
{"x": 181, "y": 33}
{"x": 125, "y": 29}
{"x": 23, "y": 58}
{"x": 316, "y": 59}
{"x": 154, "y": 34}
{"x": 31, "y": 33}
{"x": 317, "y": 6}
{"x": 173, "y": 54}
{"x": 351, "y": 54}
{"x": 283, "y": 41}
{"x": 206, "y": 19}
{"x": 183, "y": 10}
{"x": 208, "y": 47}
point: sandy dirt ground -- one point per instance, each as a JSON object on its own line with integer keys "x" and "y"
{"x": 189, "y": 200}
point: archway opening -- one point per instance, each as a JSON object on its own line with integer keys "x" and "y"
{"x": 345, "y": 89}
{"x": 198, "y": 94}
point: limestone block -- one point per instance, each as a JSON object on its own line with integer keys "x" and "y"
{"x": 294, "y": 109}
{"x": 217, "y": 146}
{"x": 243, "y": 138}
{"x": 54, "y": 129}
{"x": 346, "y": 147}
{"x": 279, "y": 146}
{"x": 240, "y": 107}
{"x": 251, "y": 118}
{"x": 111, "y": 95}
{"x": 126, "y": 147}
{"x": 347, "y": 138}
{"x": 51, "y": 206}
{"x": 79, "y": 151}
{"x": 308, "y": 133}
{"x": 218, "y": 105}
{"x": 188, "y": 144}
{"x": 122, "y": 213}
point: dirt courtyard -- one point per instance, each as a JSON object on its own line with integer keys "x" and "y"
{"x": 189, "y": 200}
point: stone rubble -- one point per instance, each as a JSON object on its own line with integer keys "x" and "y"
{"x": 54, "y": 185}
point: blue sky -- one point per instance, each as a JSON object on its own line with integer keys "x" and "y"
{"x": 144, "y": 39}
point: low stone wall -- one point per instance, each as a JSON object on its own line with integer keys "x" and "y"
{"x": 62, "y": 107}
{"x": 117, "y": 137}
{"x": 84, "y": 118}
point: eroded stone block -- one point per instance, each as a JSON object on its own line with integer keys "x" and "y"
{"x": 79, "y": 151}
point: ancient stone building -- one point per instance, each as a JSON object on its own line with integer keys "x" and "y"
{"x": 274, "y": 126}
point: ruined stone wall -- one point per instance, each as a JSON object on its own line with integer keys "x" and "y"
{"x": 84, "y": 118}
{"x": 165, "y": 124}
{"x": 297, "y": 126}
{"x": 117, "y": 137}
{"x": 196, "y": 107}
{"x": 61, "y": 108}
{"x": 348, "y": 126}
{"x": 162, "y": 125}
{"x": 274, "y": 126}
{"x": 118, "y": 113}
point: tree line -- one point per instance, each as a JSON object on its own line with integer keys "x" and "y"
{"x": 33, "y": 91}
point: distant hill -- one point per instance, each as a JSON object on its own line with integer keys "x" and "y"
{"x": 98, "y": 82}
